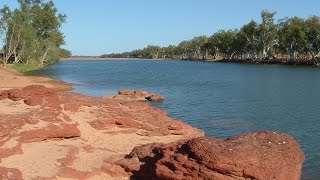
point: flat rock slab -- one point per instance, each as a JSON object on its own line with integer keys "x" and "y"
{"x": 46, "y": 134}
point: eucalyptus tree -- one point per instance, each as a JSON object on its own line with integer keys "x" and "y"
{"x": 313, "y": 35}
{"x": 251, "y": 44}
{"x": 12, "y": 26}
{"x": 47, "y": 23}
{"x": 171, "y": 51}
{"x": 64, "y": 53}
{"x": 239, "y": 46}
{"x": 223, "y": 41}
{"x": 184, "y": 49}
{"x": 197, "y": 48}
{"x": 151, "y": 52}
{"x": 293, "y": 38}
{"x": 31, "y": 33}
{"x": 268, "y": 33}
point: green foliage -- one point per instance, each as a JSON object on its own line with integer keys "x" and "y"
{"x": 152, "y": 52}
{"x": 63, "y": 53}
{"x": 267, "y": 31}
{"x": 25, "y": 68}
{"x": 250, "y": 34}
{"x": 313, "y": 35}
{"x": 224, "y": 41}
{"x": 31, "y": 33}
{"x": 291, "y": 37}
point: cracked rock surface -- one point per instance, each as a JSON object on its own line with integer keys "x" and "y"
{"x": 260, "y": 155}
{"x": 46, "y": 134}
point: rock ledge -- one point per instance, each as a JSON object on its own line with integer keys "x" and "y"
{"x": 261, "y": 155}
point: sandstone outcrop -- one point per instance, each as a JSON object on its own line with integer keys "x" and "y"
{"x": 137, "y": 95}
{"x": 261, "y": 155}
{"x": 46, "y": 134}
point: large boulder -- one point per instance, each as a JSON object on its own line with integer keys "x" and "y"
{"x": 261, "y": 155}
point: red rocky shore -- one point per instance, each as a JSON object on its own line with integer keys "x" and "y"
{"x": 47, "y": 134}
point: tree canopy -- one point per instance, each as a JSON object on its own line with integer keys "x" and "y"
{"x": 31, "y": 33}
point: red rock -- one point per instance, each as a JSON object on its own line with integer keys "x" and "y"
{"x": 63, "y": 131}
{"x": 3, "y": 95}
{"x": 34, "y": 101}
{"x": 125, "y": 92}
{"x": 38, "y": 90}
{"x": 155, "y": 98}
{"x": 126, "y": 122}
{"x": 143, "y": 151}
{"x": 129, "y": 165}
{"x": 32, "y": 121}
{"x": 261, "y": 155}
{"x": 29, "y": 91}
{"x": 138, "y": 95}
{"x": 15, "y": 94}
{"x": 69, "y": 172}
{"x": 8, "y": 173}
{"x": 134, "y": 93}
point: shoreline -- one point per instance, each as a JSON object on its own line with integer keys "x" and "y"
{"x": 76, "y": 136}
{"x": 10, "y": 78}
{"x": 272, "y": 61}
{"x": 106, "y": 59}
{"x": 311, "y": 63}
{"x": 39, "y": 118}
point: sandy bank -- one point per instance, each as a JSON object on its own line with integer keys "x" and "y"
{"x": 11, "y": 78}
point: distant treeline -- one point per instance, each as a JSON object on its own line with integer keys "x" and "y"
{"x": 31, "y": 33}
{"x": 290, "y": 40}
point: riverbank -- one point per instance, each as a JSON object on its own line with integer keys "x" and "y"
{"x": 10, "y": 78}
{"x": 50, "y": 134}
{"x": 103, "y": 59}
{"x": 314, "y": 62}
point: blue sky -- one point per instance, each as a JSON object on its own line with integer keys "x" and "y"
{"x": 95, "y": 27}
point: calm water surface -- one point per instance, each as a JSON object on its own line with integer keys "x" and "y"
{"x": 221, "y": 99}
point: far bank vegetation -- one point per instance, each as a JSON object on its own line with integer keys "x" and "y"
{"x": 290, "y": 41}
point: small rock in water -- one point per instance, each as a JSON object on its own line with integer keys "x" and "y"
{"x": 155, "y": 98}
